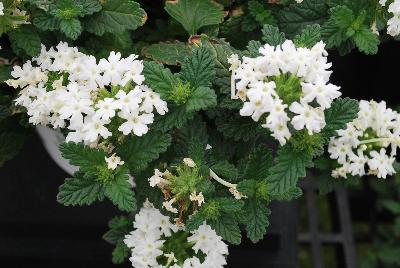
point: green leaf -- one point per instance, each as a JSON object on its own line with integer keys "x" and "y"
{"x": 121, "y": 194}
{"x": 335, "y": 30}
{"x": 392, "y": 206}
{"x": 247, "y": 188}
{"x": 194, "y": 14}
{"x": 168, "y": 53}
{"x": 260, "y": 13}
{"x": 200, "y": 99}
{"x": 177, "y": 116}
{"x": 137, "y": 152}
{"x": 238, "y": 127}
{"x": 229, "y": 205}
{"x": 82, "y": 156}
{"x": 226, "y": 170}
{"x": 366, "y": 41}
{"x": 119, "y": 227}
{"x": 259, "y": 163}
{"x": 116, "y": 16}
{"x": 288, "y": 168}
{"x": 10, "y": 144}
{"x": 256, "y": 213}
{"x": 88, "y": 6}
{"x": 71, "y": 28}
{"x": 227, "y": 227}
{"x": 291, "y": 194}
{"x": 5, "y": 73}
{"x": 272, "y": 36}
{"x": 309, "y": 36}
{"x": 339, "y": 114}
{"x": 80, "y": 191}
{"x": 194, "y": 221}
{"x": 253, "y": 48}
{"x": 120, "y": 253}
{"x": 27, "y": 39}
{"x": 198, "y": 69}
{"x": 294, "y": 18}
{"x": 44, "y": 21}
{"x": 160, "y": 79}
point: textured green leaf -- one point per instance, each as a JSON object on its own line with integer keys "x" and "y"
{"x": 116, "y": 16}
{"x": 120, "y": 192}
{"x": 194, "y": 221}
{"x": 238, "y": 127}
{"x": 335, "y": 30}
{"x": 82, "y": 156}
{"x": 226, "y": 170}
{"x": 71, "y": 28}
{"x": 80, "y": 191}
{"x": 44, "y": 21}
{"x": 201, "y": 98}
{"x": 159, "y": 78}
{"x": 288, "y": 168}
{"x": 366, "y": 41}
{"x": 256, "y": 213}
{"x": 247, "y": 188}
{"x": 253, "y": 48}
{"x": 10, "y": 144}
{"x": 119, "y": 227}
{"x": 291, "y": 194}
{"x": 295, "y": 17}
{"x": 309, "y": 36}
{"x": 177, "y": 116}
{"x": 339, "y": 114}
{"x": 194, "y": 14}
{"x": 137, "y": 152}
{"x": 259, "y": 163}
{"x": 227, "y": 227}
{"x": 168, "y": 53}
{"x": 272, "y": 36}
{"x": 88, "y": 6}
{"x": 229, "y": 205}
{"x": 198, "y": 69}
{"x": 120, "y": 253}
{"x": 260, "y": 13}
{"x": 5, "y": 73}
{"x": 27, "y": 39}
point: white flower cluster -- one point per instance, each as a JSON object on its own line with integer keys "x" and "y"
{"x": 65, "y": 91}
{"x": 366, "y": 142}
{"x": 152, "y": 230}
{"x": 258, "y": 82}
{"x": 393, "y": 23}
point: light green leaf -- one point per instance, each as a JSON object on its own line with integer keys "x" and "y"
{"x": 116, "y": 16}
{"x": 88, "y": 6}
{"x": 309, "y": 36}
{"x": 137, "y": 152}
{"x": 272, "y": 36}
{"x": 288, "y": 168}
{"x": 194, "y": 14}
{"x": 71, "y": 28}
{"x": 168, "y": 53}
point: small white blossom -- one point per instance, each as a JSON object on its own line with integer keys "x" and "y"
{"x": 114, "y": 161}
{"x": 1, "y": 9}
{"x": 189, "y": 162}
{"x": 168, "y": 206}
{"x": 199, "y": 198}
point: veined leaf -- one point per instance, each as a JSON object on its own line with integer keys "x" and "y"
{"x": 168, "y": 53}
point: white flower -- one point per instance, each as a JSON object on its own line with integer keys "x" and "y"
{"x": 207, "y": 240}
{"x": 199, "y": 198}
{"x": 136, "y": 123}
{"x": 323, "y": 93}
{"x": 363, "y": 146}
{"x": 1, "y": 9}
{"x": 168, "y": 206}
{"x": 189, "y": 162}
{"x": 152, "y": 99}
{"x": 307, "y": 117}
{"x": 93, "y": 127}
{"x": 106, "y": 108}
{"x": 114, "y": 161}
{"x": 157, "y": 178}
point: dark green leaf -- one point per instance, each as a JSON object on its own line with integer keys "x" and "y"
{"x": 71, "y": 28}
{"x": 120, "y": 192}
{"x": 201, "y": 98}
{"x": 27, "y": 39}
{"x": 272, "y": 36}
{"x": 309, "y": 36}
{"x": 168, "y": 53}
{"x": 159, "y": 78}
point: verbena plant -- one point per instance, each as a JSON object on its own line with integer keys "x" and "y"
{"x": 191, "y": 116}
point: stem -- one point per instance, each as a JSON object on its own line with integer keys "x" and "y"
{"x": 221, "y": 181}
{"x": 381, "y": 140}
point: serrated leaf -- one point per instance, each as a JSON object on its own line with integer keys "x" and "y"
{"x": 256, "y": 213}
{"x": 71, "y": 28}
{"x": 259, "y": 163}
{"x": 295, "y": 17}
{"x": 116, "y": 16}
{"x": 226, "y": 170}
{"x": 229, "y": 205}
{"x": 27, "y": 39}
{"x": 159, "y": 78}
{"x": 177, "y": 116}
{"x": 119, "y": 227}
{"x": 120, "y": 253}
{"x": 260, "y": 13}
{"x": 253, "y": 48}
{"x": 44, "y": 21}
{"x": 291, "y": 194}
{"x": 194, "y": 221}
{"x": 339, "y": 114}
{"x": 88, "y": 6}
{"x": 288, "y": 168}
{"x": 198, "y": 69}
{"x": 79, "y": 191}
{"x": 168, "y": 53}
{"x": 227, "y": 227}
{"x": 5, "y": 73}
{"x": 247, "y": 188}
{"x": 200, "y": 99}
{"x": 194, "y": 14}
{"x": 137, "y": 152}
{"x": 238, "y": 127}
{"x": 82, "y": 156}
{"x": 335, "y": 30}
{"x": 309, "y": 36}
{"x": 272, "y": 36}
{"x": 121, "y": 194}
{"x": 366, "y": 41}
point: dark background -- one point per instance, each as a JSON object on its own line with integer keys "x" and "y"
{"x": 36, "y": 230}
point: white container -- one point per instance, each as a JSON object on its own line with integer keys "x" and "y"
{"x": 51, "y": 140}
